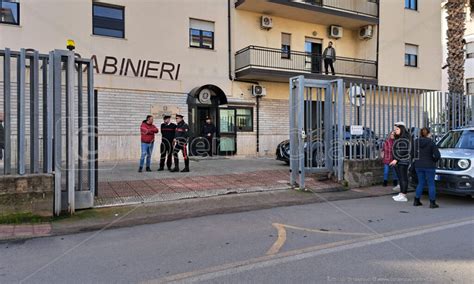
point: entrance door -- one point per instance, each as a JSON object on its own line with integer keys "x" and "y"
{"x": 313, "y": 48}
{"x": 201, "y": 146}
{"x": 227, "y": 130}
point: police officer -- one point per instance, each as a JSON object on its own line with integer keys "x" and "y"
{"x": 208, "y": 130}
{"x": 181, "y": 143}
{"x": 167, "y": 136}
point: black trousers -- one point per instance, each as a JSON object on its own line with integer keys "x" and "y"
{"x": 179, "y": 146}
{"x": 402, "y": 173}
{"x": 209, "y": 141}
{"x": 166, "y": 153}
{"x": 328, "y": 62}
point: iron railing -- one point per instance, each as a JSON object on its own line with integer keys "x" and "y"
{"x": 362, "y": 7}
{"x": 301, "y": 62}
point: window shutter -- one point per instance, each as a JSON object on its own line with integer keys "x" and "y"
{"x": 285, "y": 39}
{"x": 201, "y": 25}
{"x": 411, "y": 49}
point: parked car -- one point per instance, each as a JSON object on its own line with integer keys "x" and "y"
{"x": 362, "y": 146}
{"x": 455, "y": 169}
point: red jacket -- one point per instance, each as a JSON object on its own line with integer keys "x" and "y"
{"x": 148, "y": 132}
{"x": 387, "y": 151}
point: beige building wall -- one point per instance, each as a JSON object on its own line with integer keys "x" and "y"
{"x": 399, "y": 26}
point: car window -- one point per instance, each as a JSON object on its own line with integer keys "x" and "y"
{"x": 458, "y": 139}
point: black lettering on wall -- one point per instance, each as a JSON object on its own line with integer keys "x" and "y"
{"x": 136, "y": 71}
{"x": 166, "y": 70}
{"x": 95, "y": 64}
{"x": 149, "y": 68}
{"x": 121, "y": 66}
{"x": 112, "y": 65}
{"x": 177, "y": 72}
{"x": 143, "y": 68}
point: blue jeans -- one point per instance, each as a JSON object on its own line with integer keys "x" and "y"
{"x": 147, "y": 149}
{"x": 386, "y": 171}
{"x": 428, "y": 175}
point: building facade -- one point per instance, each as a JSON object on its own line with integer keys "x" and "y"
{"x": 209, "y": 58}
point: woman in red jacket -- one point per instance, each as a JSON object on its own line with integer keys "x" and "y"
{"x": 148, "y": 131}
{"x": 387, "y": 158}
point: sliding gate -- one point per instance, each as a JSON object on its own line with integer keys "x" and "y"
{"x": 48, "y": 106}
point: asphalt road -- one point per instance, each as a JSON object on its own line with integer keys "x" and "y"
{"x": 371, "y": 240}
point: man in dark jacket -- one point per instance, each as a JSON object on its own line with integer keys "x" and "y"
{"x": 208, "y": 130}
{"x": 147, "y": 131}
{"x": 181, "y": 143}
{"x": 329, "y": 57}
{"x": 167, "y": 135}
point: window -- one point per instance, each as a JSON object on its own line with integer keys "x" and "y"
{"x": 411, "y": 55}
{"x": 285, "y": 45}
{"x": 201, "y": 34}
{"x": 9, "y": 12}
{"x": 470, "y": 87}
{"x": 244, "y": 119}
{"x": 411, "y": 4}
{"x": 470, "y": 50}
{"x": 108, "y": 20}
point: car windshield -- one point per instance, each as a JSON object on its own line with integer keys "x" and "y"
{"x": 458, "y": 139}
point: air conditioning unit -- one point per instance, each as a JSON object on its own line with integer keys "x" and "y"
{"x": 258, "y": 91}
{"x": 366, "y": 32}
{"x": 266, "y": 22}
{"x": 335, "y": 31}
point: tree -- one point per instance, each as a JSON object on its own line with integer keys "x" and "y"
{"x": 456, "y": 19}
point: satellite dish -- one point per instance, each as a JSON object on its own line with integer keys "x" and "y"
{"x": 356, "y": 95}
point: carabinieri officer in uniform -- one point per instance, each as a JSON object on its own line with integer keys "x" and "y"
{"x": 181, "y": 143}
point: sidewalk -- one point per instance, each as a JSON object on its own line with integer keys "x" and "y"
{"x": 132, "y": 215}
{"x": 121, "y": 184}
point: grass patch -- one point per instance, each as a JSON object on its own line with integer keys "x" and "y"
{"x": 22, "y": 218}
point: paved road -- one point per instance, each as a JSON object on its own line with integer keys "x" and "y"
{"x": 353, "y": 241}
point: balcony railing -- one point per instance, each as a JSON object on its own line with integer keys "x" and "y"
{"x": 301, "y": 62}
{"x": 363, "y": 7}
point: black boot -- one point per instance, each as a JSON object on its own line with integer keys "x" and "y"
{"x": 140, "y": 169}
{"x": 160, "y": 169}
{"x": 185, "y": 170}
{"x": 395, "y": 182}
{"x": 175, "y": 170}
{"x": 433, "y": 204}
{"x": 384, "y": 183}
{"x": 148, "y": 169}
{"x": 417, "y": 202}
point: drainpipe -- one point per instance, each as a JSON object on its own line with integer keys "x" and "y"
{"x": 378, "y": 41}
{"x": 258, "y": 124}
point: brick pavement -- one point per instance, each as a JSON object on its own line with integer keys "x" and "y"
{"x": 152, "y": 190}
{"x": 24, "y": 231}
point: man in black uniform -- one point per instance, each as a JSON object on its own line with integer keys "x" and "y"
{"x": 167, "y": 136}
{"x": 181, "y": 143}
{"x": 208, "y": 130}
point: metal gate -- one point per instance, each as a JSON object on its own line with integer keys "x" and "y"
{"x": 56, "y": 120}
{"x": 333, "y": 121}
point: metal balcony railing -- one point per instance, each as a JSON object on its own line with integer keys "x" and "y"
{"x": 363, "y": 7}
{"x": 301, "y": 62}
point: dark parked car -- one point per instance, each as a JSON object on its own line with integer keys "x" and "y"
{"x": 362, "y": 146}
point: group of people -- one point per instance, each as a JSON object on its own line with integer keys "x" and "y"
{"x": 174, "y": 139}
{"x": 400, "y": 154}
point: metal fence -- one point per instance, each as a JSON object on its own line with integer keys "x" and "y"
{"x": 333, "y": 121}
{"x": 301, "y": 62}
{"x": 49, "y": 122}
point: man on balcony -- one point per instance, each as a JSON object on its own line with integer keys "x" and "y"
{"x": 329, "y": 56}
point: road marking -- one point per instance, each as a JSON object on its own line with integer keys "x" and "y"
{"x": 309, "y": 252}
{"x": 280, "y": 241}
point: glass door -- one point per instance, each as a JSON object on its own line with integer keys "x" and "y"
{"x": 227, "y": 131}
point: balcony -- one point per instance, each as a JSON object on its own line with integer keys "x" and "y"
{"x": 347, "y": 13}
{"x": 271, "y": 64}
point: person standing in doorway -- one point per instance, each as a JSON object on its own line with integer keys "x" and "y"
{"x": 401, "y": 159}
{"x": 426, "y": 154}
{"x": 148, "y": 131}
{"x": 167, "y": 136}
{"x": 181, "y": 143}
{"x": 208, "y": 131}
{"x": 329, "y": 57}
{"x": 387, "y": 158}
